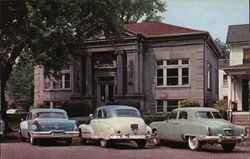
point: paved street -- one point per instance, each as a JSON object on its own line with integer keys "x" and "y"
{"x": 11, "y": 148}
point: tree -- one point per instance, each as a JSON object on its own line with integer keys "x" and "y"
{"x": 20, "y": 83}
{"x": 132, "y": 11}
{"x": 222, "y": 46}
{"x": 45, "y": 32}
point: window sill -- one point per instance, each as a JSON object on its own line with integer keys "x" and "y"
{"x": 59, "y": 89}
{"x": 184, "y": 86}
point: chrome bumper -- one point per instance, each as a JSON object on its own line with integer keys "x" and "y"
{"x": 55, "y": 134}
{"x": 130, "y": 137}
{"x": 221, "y": 139}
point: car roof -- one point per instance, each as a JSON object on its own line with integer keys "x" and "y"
{"x": 195, "y": 109}
{"x": 116, "y": 107}
{"x": 46, "y": 110}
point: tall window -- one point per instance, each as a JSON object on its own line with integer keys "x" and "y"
{"x": 246, "y": 56}
{"x": 225, "y": 81}
{"x": 166, "y": 105}
{"x": 59, "y": 82}
{"x": 209, "y": 76}
{"x": 172, "y": 72}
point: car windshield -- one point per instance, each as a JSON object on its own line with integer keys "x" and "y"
{"x": 127, "y": 113}
{"x": 217, "y": 115}
{"x": 208, "y": 115}
{"x": 50, "y": 115}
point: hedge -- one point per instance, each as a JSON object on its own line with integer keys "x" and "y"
{"x": 150, "y": 118}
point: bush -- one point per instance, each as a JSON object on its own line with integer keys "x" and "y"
{"x": 150, "y": 118}
{"x": 78, "y": 109}
{"x": 222, "y": 106}
{"x": 129, "y": 103}
{"x": 189, "y": 103}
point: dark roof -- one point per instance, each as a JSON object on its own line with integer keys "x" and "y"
{"x": 223, "y": 63}
{"x": 158, "y": 28}
{"x": 238, "y": 33}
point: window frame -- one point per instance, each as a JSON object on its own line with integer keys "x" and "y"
{"x": 51, "y": 81}
{"x": 165, "y": 105}
{"x": 183, "y": 63}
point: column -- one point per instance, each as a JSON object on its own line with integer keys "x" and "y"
{"x": 119, "y": 72}
{"x": 88, "y": 75}
{"x": 133, "y": 72}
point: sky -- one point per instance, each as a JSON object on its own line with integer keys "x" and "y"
{"x": 209, "y": 15}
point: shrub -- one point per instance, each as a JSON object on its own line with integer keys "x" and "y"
{"x": 150, "y": 118}
{"x": 129, "y": 103}
{"x": 222, "y": 106}
{"x": 209, "y": 102}
{"x": 40, "y": 105}
{"x": 189, "y": 103}
{"x": 78, "y": 109}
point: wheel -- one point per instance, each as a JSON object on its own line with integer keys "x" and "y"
{"x": 68, "y": 141}
{"x": 104, "y": 143}
{"x": 33, "y": 141}
{"x": 193, "y": 143}
{"x": 156, "y": 140}
{"x": 228, "y": 147}
{"x": 141, "y": 143}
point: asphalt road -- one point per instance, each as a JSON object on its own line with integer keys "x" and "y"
{"x": 11, "y": 148}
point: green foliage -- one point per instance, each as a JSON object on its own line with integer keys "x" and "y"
{"x": 189, "y": 103}
{"x": 209, "y": 102}
{"x": 128, "y": 103}
{"x": 222, "y": 106}
{"x": 150, "y": 118}
{"x": 223, "y": 48}
{"x": 132, "y": 11}
{"x": 78, "y": 109}
{"x": 20, "y": 84}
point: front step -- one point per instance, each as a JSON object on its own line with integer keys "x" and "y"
{"x": 243, "y": 119}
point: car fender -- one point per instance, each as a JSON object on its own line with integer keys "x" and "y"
{"x": 86, "y": 131}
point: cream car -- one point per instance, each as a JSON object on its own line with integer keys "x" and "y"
{"x": 116, "y": 123}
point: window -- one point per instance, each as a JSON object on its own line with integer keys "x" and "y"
{"x": 172, "y": 72}
{"x": 59, "y": 82}
{"x": 172, "y": 116}
{"x": 225, "y": 82}
{"x": 209, "y": 76}
{"x": 166, "y": 105}
{"x": 127, "y": 113}
{"x": 246, "y": 56}
{"x": 183, "y": 115}
{"x": 159, "y": 77}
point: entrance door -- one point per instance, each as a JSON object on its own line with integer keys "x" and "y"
{"x": 106, "y": 93}
{"x": 245, "y": 95}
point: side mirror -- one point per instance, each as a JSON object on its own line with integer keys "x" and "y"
{"x": 22, "y": 119}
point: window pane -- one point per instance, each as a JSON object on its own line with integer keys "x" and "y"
{"x": 57, "y": 82}
{"x": 159, "y": 63}
{"x": 159, "y": 72}
{"x": 185, "y": 76}
{"x": 159, "y": 106}
{"x": 159, "y": 77}
{"x": 172, "y": 76}
{"x": 172, "y": 104}
{"x": 185, "y": 61}
{"x": 204, "y": 115}
{"x": 172, "y": 62}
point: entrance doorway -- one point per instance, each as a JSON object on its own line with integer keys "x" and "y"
{"x": 105, "y": 90}
{"x": 245, "y": 95}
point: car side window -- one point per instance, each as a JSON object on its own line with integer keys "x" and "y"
{"x": 172, "y": 116}
{"x": 105, "y": 114}
{"x": 183, "y": 115}
{"x": 99, "y": 114}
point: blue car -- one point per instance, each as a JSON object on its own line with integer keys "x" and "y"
{"x": 48, "y": 124}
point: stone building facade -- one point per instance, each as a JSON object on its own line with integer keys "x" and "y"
{"x": 155, "y": 64}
